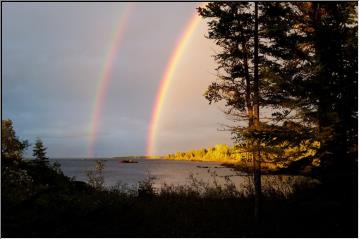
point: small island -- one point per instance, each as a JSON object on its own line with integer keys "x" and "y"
{"x": 129, "y": 161}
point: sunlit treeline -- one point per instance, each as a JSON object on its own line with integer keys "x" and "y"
{"x": 279, "y": 157}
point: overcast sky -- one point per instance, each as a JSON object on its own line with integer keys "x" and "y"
{"x": 53, "y": 55}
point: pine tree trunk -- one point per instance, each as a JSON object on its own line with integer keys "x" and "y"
{"x": 249, "y": 106}
{"x": 257, "y": 163}
{"x": 323, "y": 105}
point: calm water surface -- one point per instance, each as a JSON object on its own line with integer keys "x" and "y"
{"x": 171, "y": 172}
{"x": 175, "y": 172}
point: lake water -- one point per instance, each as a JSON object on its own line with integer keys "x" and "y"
{"x": 174, "y": 172}
{"x": 170, "y": 172}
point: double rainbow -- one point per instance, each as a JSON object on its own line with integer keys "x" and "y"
{"x": 104, "y": 78}
{"x": 168, "y": 74}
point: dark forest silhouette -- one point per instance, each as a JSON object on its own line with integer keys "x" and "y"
{"x": 298, "y": 59}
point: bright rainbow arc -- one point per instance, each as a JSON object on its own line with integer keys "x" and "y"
{"x": 104, "y": 79}
{"x": 166, "y": 79}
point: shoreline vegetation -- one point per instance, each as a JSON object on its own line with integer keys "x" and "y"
{"x": 292, "y": 160}
{"x": 299, "y": 160}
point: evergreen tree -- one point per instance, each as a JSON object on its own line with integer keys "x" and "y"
{"x": 12, "y": 148}
{"x": 39, "y": 151}
{"x": 237, "y": 28}
{"x": 317, "y": 43}
{"x": 296, "y": 59}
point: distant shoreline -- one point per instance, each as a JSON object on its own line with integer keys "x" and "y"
{"x": 234, "y": 164}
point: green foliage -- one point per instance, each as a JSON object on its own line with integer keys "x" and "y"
{"x": 231, "y": 27}
{"x": 39, "y": 151}
{"x": 57, "y": 167}
{"x": 17, "y": 185}
{"x": 22, "y": 180}
{"x": 317, "y": 43}
{"x": 307, "y": 75}
{"x": 12, "y": 148}
{"x": 275, "y": 156}
{"x": 146, "y": 188}
{"x": 96, "y": 176}
{"x": 71, "y": 209}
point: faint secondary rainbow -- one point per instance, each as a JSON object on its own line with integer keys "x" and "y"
{"x": 104, "y": 79}
{"x": 168, "y": 75}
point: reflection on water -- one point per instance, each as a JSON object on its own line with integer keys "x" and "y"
{"x": 172, "y": 173}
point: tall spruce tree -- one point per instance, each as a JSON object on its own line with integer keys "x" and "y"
{"x": 237, "y": 28}
{"x": 39, "y": 151}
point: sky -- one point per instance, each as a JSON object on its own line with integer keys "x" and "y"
{"x": 54, "y": 55}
